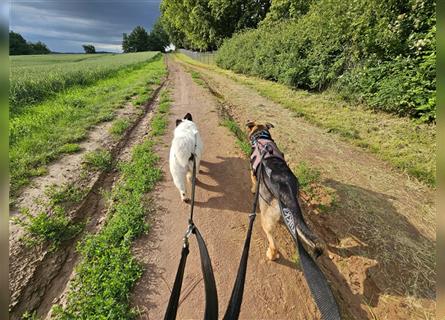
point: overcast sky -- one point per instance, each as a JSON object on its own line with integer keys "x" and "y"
{"x": 64, "y": 25}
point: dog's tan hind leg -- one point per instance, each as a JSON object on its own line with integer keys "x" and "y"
{"x": 270, "y": 215}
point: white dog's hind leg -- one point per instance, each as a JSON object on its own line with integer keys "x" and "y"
{"x": 179, "y": 181}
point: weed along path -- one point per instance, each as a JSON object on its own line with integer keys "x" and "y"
{"x": 274, "y": 290}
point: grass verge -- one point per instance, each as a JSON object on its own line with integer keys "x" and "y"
{"x": 42, "y": 133}
{"x": 241, "y": 137}
{"x": 108, "y": 270}
{"x": 406, "y": 144}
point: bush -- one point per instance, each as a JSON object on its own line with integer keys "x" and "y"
{"x": 380, "y": 54}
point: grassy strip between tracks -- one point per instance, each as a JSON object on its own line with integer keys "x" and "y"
{"x": 108, "y": 271}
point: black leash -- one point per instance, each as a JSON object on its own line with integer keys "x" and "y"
{"x": 211, "y": 308}
{"x": 236, "y": 298}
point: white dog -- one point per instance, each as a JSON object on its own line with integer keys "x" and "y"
{"x": 186, "y": 143}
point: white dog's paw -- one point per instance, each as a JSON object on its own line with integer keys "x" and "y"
{"x": 184, "y": 198}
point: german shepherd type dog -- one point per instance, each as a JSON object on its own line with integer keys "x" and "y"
{"x": 279, "y": 190}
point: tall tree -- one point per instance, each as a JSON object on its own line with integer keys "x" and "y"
{"x": 39, "y": 48}
{"x": 158, "y": 37}
{"x": 89, "y": 48}
{"x": 203, "y": 25}
{"x": 17, "y": 44}
{"x": 137, "y": 41}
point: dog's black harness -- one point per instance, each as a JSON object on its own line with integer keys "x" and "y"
{"x": 259, "y": 142}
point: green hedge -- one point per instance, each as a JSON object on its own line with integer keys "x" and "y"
{"x": 379, "y": 53}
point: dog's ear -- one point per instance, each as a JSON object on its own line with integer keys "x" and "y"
{"x": 178, "y": 122}
{"x": 269, "y": 125}
{"x": 188, "y": 116}
{"x": 250, "y": 124}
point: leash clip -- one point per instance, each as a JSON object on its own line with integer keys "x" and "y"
{"x": 187, "y": 234}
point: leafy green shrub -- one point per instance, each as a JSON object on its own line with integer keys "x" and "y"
{"x": 379, "y": 53}
{"x": 98, "y": 160}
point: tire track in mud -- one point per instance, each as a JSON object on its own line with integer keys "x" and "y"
{"x": 52, "y": 271}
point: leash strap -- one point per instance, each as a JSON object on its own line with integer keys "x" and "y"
{"x": 318, "y": 285}
{"x": 236, "y": 298}
{"x": 211, "y": 308}
{"x": 172, "y": 307}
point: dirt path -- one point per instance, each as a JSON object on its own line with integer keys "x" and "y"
{"x": 223, "y": 200}
{"x": 380, "y": 232}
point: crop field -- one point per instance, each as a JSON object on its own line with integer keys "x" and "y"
{"x": 34, "y": 78}
{"x": 43, "y": 131}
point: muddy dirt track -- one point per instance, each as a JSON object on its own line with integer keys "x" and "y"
{"x": 372, "y": 265}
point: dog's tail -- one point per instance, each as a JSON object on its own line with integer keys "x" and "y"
{"x": 293, "y": 217}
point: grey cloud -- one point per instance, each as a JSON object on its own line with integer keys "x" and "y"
{"x": 65, "y": 25}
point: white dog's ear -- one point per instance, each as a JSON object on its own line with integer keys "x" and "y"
{"x": 269, "y": 125}
{"x": 250, "y": 124}
{"x": 188, "y": 116}
{"x": 178, "y": 122}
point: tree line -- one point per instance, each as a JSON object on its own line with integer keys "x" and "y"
{"x": 18, "y": 45}
{"x": 203, "y": 25}
{"x": 141, "y": 40}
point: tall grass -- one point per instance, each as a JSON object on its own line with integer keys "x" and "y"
{"x": 35, "y": 78}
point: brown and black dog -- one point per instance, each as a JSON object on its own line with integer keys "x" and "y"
{"x": 279, "y": 190}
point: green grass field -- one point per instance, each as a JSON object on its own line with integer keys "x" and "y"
{"x": 35, "y": 78}
{"x": 44, "y": 131}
